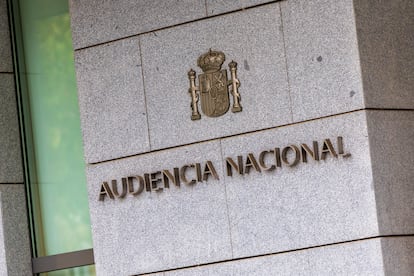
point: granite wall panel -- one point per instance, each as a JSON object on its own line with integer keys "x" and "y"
{"x": 15, "y": 257}
{"x": 158, "y": 230}
{"x": 95, "y": 22}
{"x": 169, "y": 54}
{"x": 392, "y": 153}
{"x": 11, "y": 170}
{"x": 112, "y": 100}
{"x": 322, "y": 57}
{"x": 6, "y": 64}
{"x": 379, "y": 256}
{"x": 354, "y": 258}
{"x": 221, "y": 6}
{"x": 313, "y": 203}
{"x": 297, "y": 60}
{"x": 398, "y": 255}
{"x": 386, "y": 38}
{"x": 309, "y": 204}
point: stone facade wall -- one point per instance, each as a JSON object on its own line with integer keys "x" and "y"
{"x": 309, "y": 71}
{"x": 15, "y": 253}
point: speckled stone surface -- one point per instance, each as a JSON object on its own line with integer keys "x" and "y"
{"x": 10, "y": 154}
{"x": 3, "y": 260}
{"x": 354, "y": 258}
{"x": 310, "y": 204}
{"x": 15, "y": 249}
{"x": 177, "y": 227}
{"x": 391, "y": 140}
{"x": 111, "y": 100}
{"x": 322, "y": 57}
{"x": 398, "y": 255}
{"x": 386, "y": 39}
{"x": 221, "y": 6}
{"x": 5, "y": 47}
{"x": 96, "y": 21}
{"x": 257, "y": 48}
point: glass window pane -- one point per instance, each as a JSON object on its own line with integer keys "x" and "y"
{"x": 58, "y": 182}
{"x": 77, "y": 271}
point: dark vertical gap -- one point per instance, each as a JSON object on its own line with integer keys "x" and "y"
{"x": 14, "y": 27}
{"x": 24, "y": 125}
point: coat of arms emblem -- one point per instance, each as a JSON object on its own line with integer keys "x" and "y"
{"x": 214, "y": 86}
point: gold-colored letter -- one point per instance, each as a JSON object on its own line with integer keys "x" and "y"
{"x": 262, "y": 163}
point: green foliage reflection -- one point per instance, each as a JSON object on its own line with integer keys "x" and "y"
{"x": 62, "y": 218}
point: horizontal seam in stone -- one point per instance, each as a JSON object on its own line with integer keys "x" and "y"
{"x": 226, "y": 137}
{"x": 248, "y": 132}
{"x": 277, "y": 253}
{"x": 8, "y": 73}
{"x": 176, "y": 25}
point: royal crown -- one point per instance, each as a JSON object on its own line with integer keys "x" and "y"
{"x": 211, "y": 61}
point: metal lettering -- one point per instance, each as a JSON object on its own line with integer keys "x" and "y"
{"x": 105, "y": 191}
{"x": 340, "y": 145}
{"x": 277, "y": 158}
{"x": 268, "y": 160}
{"x": 155, "y": 179}
{"x": 141, "y": 185}
{"x": 147, "y": 182}
{"x": 198, "y": 170}
{"x": 262, "y": 163}
{"x": 167, "y": 177}
{"x": 115, "y": 188}
{"x": 251, "y": 162}
{"x": 306, "y": 150}
{"x": 297, "y": 155}
{"x": 184, "y": 177}
{"x": 209, "y": 169}
{"x": 341, "y": 148}
{"x": 327, "y": 148}
{"x": 231, "y": 164}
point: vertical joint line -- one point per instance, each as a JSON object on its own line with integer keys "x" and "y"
{"x": 286, "y": 62}
{"x": 205, "y": 5}
{"x": 145, "y": 93}
{"x": 14, "y": 25}
{"x": 223, "y": 167}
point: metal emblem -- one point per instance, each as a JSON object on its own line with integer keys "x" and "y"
{"x": 214, "y": 86}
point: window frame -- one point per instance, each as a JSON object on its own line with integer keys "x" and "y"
{"x": 46, "y": 263}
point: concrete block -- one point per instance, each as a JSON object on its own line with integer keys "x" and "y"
{"x": 354, "y": 258}
{"x": 322, "y": 57}
{"x": 221, "y": 6}
{"x": 15, "y": 258}
{"x": 11, "y": 170}
{"x": 310, "y": 204}
{"x": 398, "y": 255}
{"x": 386, "y": 38}
{"x": 6, "y": 64}
{"x": 96, "y": 21}
{"x": 169, "y": 54}
{"x": 392, "y": 152}
{"x": 111, "y": 100}
{"x": 159, "y": 230}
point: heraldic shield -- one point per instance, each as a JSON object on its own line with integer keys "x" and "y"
{"x": 214, "y": 86}
{"x": 214, "y": 93}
